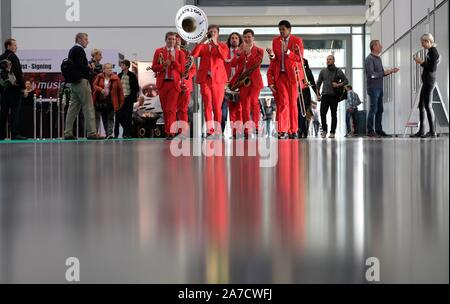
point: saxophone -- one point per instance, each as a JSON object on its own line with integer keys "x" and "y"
{"x": 244, "y": 78}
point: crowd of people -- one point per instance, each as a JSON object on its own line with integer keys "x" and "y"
{"x": 230, "y": 80}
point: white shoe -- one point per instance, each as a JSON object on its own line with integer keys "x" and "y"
{"x": 323, "y": 135}
{"x": 332, "y": 136}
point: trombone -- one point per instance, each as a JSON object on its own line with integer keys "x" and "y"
{"x": 299, "y": 84}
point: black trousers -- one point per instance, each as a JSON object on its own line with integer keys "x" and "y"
{"x": 425, "y": 103}
{"x": 303, "y": 123}
{"x": 10, "y": 101}
{"x": 329, "y": 102}
{"x": 124, "y": 117}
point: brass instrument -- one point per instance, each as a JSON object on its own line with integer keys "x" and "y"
{"x": 191, "y": 23}
{"x": 187, "y": 67}
{"x": 303, "y": 111}
{"x": 244, "y": 78}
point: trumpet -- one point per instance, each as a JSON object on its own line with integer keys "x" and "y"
{"x": 160, "y": 61}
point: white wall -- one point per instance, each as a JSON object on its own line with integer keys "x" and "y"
{"x": 133, "y": 26}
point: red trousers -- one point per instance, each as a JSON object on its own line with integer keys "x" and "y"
{"x": 287, "y": 110}
{"x": 235, "y": 109}
{"x": 249, "y": 98}
{"x": 212, "y": 96}
{"x": 168, "y": 96}
{"x": 183, "y": 104}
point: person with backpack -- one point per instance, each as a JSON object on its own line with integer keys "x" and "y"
{"x": 77, "y": 72}
{"x": 351, "y": 104}
{"x": 11, "y": 86}
{"x": 333, "y": 80}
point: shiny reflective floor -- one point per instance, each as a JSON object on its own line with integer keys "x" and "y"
{"x": 133, "y": 213}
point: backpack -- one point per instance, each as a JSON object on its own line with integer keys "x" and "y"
{"x": 70, "y": 72}
{"x": 341, "y": 92}
{"x": 7, "y": 77}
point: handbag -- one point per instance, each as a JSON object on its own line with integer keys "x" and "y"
{"x": 104, "y": 103}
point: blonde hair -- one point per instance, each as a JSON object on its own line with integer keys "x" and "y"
{"x": 95, "y": 52}
{"x": 428, "y": 37}
{"x": 108, "y": 64}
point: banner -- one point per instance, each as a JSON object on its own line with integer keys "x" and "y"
{"x": 43, "y": 69}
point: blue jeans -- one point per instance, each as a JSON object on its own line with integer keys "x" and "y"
{"x": 352, "y": 115}
{"x": 375, "y": 111}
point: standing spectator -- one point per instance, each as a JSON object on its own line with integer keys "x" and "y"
{"x": 374, "y": 76}
{"x": 28, "y": 93}
{"x": 429, "y": 83}
{"x": 95, "y": 63}
{"x": 81, "y": 93}
{"x": 130, "y": 86}
{"x": 351, "y": 106}
{"x": 96, "y": 68}
{"x": 108, "y": 97}
{"x": 11, "y": 95}
{"x": 332, "y": 78}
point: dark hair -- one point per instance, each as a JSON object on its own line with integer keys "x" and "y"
{"x": 8, "y": 42}
{"x": 126, "y": 62}
{"x": 349, "y": 87}
{"x": 168, "y": 34}
{"x": 285, "y": 23}
{"x": 229, "y": 39}
{"x": 249, "y": 31}
{"x": 373, "y": 43}
{"x": 211, "y": 26}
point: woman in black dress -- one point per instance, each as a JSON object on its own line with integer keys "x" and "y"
{"x": 429, "y": 83}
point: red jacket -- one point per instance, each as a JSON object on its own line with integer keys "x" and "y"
{"x": 189, "y": 83}
{"x": 231, "y": 63}
{"x": 116, "y": 90}
{"x": 176, "y": 68}
{"x": 254, "y": 58}
{"x": 291, "y": 58}
{"x": 270, "y": 77}
{"x": 213, "y": 61}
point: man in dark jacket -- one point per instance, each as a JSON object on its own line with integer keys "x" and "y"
{"x": 130, "y": 86}
{"x": 11, "y": 96}
{"x": 81, "y": 93}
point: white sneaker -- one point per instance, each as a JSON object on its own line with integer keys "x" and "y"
{"x": 332, "y": 136}
{"x": 324, "y": 135}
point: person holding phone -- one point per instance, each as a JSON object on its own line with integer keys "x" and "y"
{"x": 429, "y": 83}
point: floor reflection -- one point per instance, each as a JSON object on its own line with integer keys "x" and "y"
{"x": 131, "y": 212}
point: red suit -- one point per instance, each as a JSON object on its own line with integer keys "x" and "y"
{"x": 187, "y": 88}
{"x": 235, "y": 108}
{"x": 286, "y": 82}
{"x": 249, "y": 96}
{"x": 212, "y": 77}
{"x": 168, "y": 82}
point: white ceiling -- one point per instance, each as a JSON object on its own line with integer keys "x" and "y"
{"x": 297, "y": 15}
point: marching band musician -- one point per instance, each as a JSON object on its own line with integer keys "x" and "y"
{"x": 187, "y": 85}
{"x": 249, "y": 60}
{"x": 168, "y": 64}
{"x": 285, "y": 52}
{"x": 234, "y": 42}
{"x": 212, "y": 77}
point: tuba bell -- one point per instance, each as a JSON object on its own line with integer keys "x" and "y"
{"x": 191, "y": 23}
